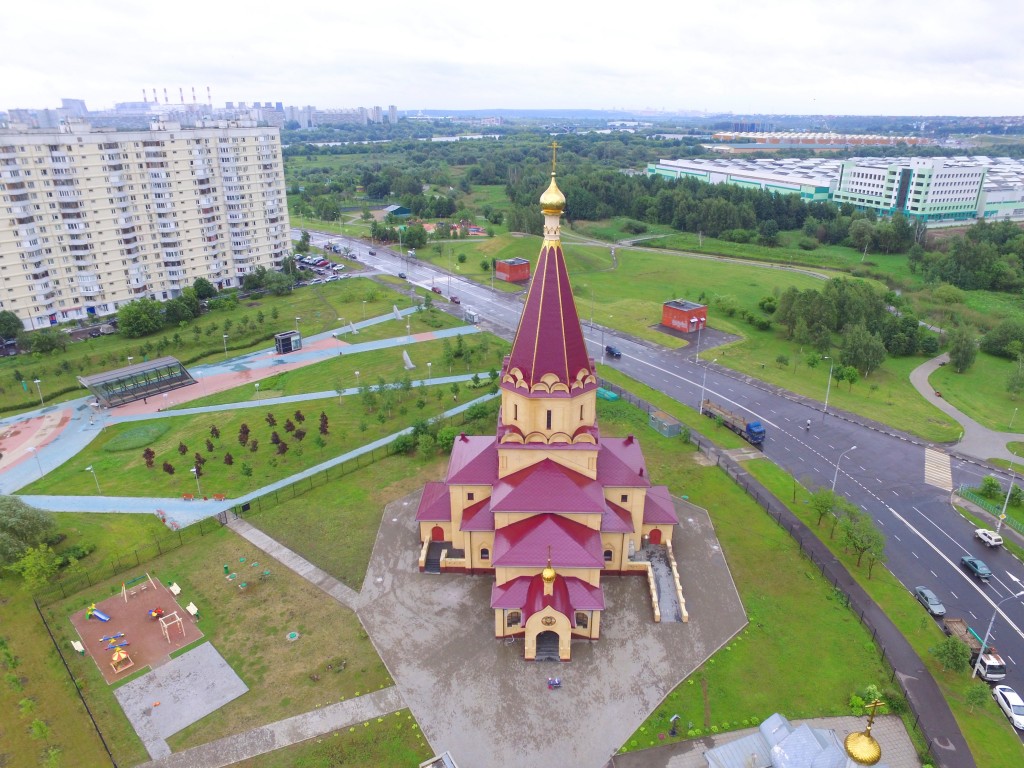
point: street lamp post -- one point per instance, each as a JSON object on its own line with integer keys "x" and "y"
{"x": 364, "y": 309}
{"x": 39, "y": 389}
{"x": 703, "y": 386}
{"x": 257, "y": 391}
{"x": 988, "y": 632}
{"x": 225, "y": 344}
{"x": 1006, "y": 501}
{"x": 828, "y": 388}
{"x": 700, "y": 326}
{"x": 35, "y": 453}
{"x": 1013, "y": 417}
{"x": 357, "y": 379}
{"x": 195, "y": 472}
{"x": 836, "y": 476}
{"x": 297, "y": 323}
{"x": 90, "y": 469}
{"x": 428, "y": 370}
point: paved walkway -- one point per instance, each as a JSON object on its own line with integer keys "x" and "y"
{"x": 897, "y": 749}
{"x": 284, "y": 733}
{"x": 978, "y": 441}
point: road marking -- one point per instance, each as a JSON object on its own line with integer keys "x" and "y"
{"x": 954, "y": 595}
{"x": 933, "y": 573}
{"x": 897, "y": 538}
{"x": 937, "y": 469}
{"x": 914, "y": 554}
{"x": 895, "y": 494}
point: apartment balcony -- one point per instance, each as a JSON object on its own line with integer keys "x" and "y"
{"x": 130, "y": 240}
{"x": 90, "y": 289}
{"x": 67, "y": 216}
{"x": 80, "y": 247}
{"x": 137, "y": 290}
{"x": 19, "y": 198}
{"x": 8, "y": 152}
{"x": 40, "y": 275}
{"x": 205, "y": 201}
{"x": 166, "y": 226}
{"x": 43, "y": 298}
{"x": 209, "y": 229}
{"x": 24, "y": 220}
{"x": 14, "y": 185}
{"x": 116, "y": 180}
{"x": 126, "y": 221}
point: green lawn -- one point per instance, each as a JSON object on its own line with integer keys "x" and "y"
{"x": 980, "y": 392}
{"x": 991, "y": 740}
{"x": 786, "y": 599}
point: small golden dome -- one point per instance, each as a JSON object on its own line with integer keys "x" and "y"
{"x": 862, "y": 748}
{"x": 552, "y": 201}
{"x": 548, "y": 574}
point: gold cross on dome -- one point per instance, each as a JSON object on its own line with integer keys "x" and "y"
{"x": 554, "y": 154}
{"x": 874, "y": 705}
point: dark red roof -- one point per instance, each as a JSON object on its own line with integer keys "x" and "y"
{"x": 526, "y": 543}
{"x": 478, "y": 516}
{"x": 474, "y": 460}
{"x": 435, "y": 503}
{"x": 549, "y": 338}
{"x": 621, "y": 462}
{"x": 526, "y": 593}
{"x": 658, "y": 507}
{"x": 616, "y": 519}
{"x": 547, "y": 486}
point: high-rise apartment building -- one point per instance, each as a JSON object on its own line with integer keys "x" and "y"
{"x": 94, "y": 219}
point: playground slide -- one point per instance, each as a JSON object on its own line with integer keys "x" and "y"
{"x": 100, "y": 615}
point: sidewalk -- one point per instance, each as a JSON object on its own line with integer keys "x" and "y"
{"x": 978, "y": 442}
{"x": 284, "y": 733}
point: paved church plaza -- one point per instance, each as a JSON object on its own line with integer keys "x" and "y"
{"x": 476, "y": 697}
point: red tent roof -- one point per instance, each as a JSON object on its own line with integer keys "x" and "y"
{"x": 547, "y": 486}
{"x": 526, "y": 593}
{"x": 435, "y": 503}
{"x": 658, "y": 507}
{"x": 478, "y": 516}
{"x": 549, "y": 338}
{"x": 474, "y": 460}
{"x": 616, "y": 519}
{"x": 526, "y": 543}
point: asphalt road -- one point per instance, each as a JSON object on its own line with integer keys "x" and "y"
{"x": 885, "y": 474}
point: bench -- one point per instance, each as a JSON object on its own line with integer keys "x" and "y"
{"x": 187, "y": 496}
{"x": 175, "y": 589}
{"x": 191, "y": 608}
{"x": 219, "y": 497}
{"x": 78, "y": 647}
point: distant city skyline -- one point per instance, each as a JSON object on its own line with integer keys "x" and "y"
{"x": 792, "y": 57}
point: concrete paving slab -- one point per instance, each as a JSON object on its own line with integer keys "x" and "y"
{"x": 187, "y": 688}
{"x": 476, "y": 697}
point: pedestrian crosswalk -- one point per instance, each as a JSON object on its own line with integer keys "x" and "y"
{"x": 937, "y": 469}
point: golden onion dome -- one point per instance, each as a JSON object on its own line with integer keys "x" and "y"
{"x": 862, "y": 748}
{"x": 552, "y": 201}
{"x": 548, "y": 574}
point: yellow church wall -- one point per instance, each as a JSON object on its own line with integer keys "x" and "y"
{"x": 531, "y": 414}
{"x": 477, "y": 541}
{"x": 427, "y": 529}
{"x": 505, "y": 574}
{"x": 511, "y": 460}
{"x": 557, "y": 623}
{"x": 502, "y": 519}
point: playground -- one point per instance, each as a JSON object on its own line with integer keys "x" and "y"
{"x": 141, "y": 625}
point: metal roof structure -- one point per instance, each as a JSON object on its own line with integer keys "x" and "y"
{"x": 137, "y": 382}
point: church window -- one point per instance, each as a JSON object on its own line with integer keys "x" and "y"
{"x": 514, "y": 618}
{"x": 608, "y": 555}
{"x": 624, "y": 498}
{"x": 549, "y": 419}
{"x": 470, "y": 495}
{"x": 485, "y": 554}
{"x": 582, "y": 620}
{"x": 515, "y": 411}
{"x": 581, "y": 413}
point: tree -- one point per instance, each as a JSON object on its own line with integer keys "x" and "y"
{"x": 861, "y": 349}
{"x": 962, "y": 349}
{"x": 182, "y": 448}
{"x": 204, "y": 288}
{"x": 229, "y": 459}
{"x": 823, "y": 503}
{"x": 140, "y": 318}
{"x": 10, "y": 325}
{"x": 303, "y": 245}
{"x": 976, "y": 695}
{"x": 782, "y": 361}
{"x": 168, "y": 468}
{"x": 36, "y": 566}
{"x": 849, "y": 374}
{"x": 278, "y": 284}
{"x": 21, "y": 527}
{"x": 953, "y": 655}
{"x": 148, "y": 455}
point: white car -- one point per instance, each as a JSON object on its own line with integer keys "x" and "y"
{"x": 1011, "y": 703}
{"x": 988, "y": 538}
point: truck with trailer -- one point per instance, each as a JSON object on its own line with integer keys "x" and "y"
{"x": 992, "y": 667}
{"x": 751, "y": 431}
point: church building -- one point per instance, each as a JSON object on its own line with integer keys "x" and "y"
{"x": 547, "y": 505}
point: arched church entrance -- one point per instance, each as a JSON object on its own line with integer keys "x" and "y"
{"x": 437, "y": 534}
{"x": 656, "y": 536}
{"x": 547, "y": 646}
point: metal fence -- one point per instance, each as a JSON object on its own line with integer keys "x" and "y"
{"x": 990, "y": 507}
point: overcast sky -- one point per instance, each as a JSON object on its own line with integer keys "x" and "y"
{"x": 902, "y": 57}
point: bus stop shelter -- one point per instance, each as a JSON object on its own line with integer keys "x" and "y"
{"x": 136, "y": 382}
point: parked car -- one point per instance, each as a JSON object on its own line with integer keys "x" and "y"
{"x": 977, "y": 567}
{"x": 988, "y": 538}
{"x": 371, "y": 252}
{"x": 454, "y": 299}
{"x": 611, "y": 351}
{"x": 1011, "y": 703}
{"x": 928, "y": 599}
{"x": 402, "y": 275}
{"x": 436, "y": 290}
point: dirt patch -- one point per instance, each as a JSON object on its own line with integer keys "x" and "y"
{"x": 146, "y": 644}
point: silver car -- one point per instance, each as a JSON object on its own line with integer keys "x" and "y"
{"x": 928, "y": 599}
{"x": 1011, "y": 704}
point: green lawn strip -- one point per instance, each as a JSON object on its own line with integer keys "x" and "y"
{"x": 248, "y": 629}
{"x": 991, "y": 740}
{"x": 124, "y": 473}
{"x": 787, "y": 602}
{"x": 720, "y": 435}
{"x": 485, "y": 351}
{"x": 390, "y": 741}
{"x": 980, "y": 392}
{"x": 341, "y": 544}
{"x": 887, "y": 396}
{"x": 318, "y": 306}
